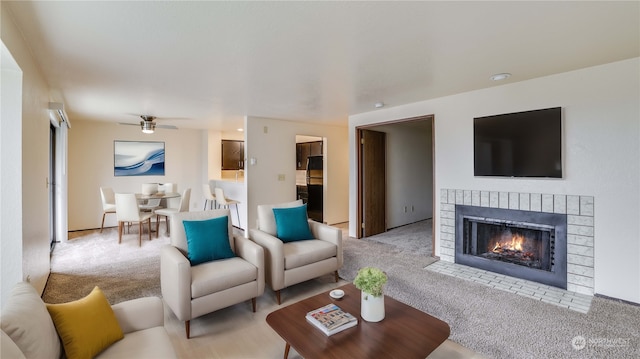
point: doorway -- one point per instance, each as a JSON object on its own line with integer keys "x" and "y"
{"x": 310, "y": 174}
{"x": 407, "y": 195}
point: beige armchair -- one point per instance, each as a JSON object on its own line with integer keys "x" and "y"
{"x": 295, "y": 262}
{"x": 193, "y": 291}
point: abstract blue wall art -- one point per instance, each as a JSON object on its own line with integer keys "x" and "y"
{"x": 138, "y": 158}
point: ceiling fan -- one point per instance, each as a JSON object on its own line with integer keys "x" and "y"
{"x": 148, "y": 124}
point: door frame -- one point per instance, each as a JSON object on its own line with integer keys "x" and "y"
{"x": 359, "y": 164}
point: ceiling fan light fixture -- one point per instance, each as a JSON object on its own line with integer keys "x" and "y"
{"x": 147, "y": 127}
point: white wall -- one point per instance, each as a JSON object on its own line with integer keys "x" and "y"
{"x": 10, "y": 174}
{"x": 601, "y": 112}
{"x": 409, "y": 173}
{"x": 91, "y": 166}
{"x": 275, "y": 152}
{"x": 214, "y": 155}
{"x": 28, "y": 162}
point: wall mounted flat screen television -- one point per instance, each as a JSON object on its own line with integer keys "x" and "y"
{"x": 521, "y": 144}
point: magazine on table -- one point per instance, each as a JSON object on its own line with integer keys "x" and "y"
{"x": 330, "y": 319}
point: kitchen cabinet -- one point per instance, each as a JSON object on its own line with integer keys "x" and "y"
{"x": 232, "y": 155}
{"x": 304, "y": 150}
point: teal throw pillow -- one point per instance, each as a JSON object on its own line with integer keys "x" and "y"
{"x": 208, "y": 240}
{"x": 291, "y": 224}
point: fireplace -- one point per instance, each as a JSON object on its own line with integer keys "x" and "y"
{"x": 522, "y": 244}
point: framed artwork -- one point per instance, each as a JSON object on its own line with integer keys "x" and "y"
{"x": 138, "y": 158}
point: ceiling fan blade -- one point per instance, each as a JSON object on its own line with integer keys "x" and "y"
{"x": 169, "y": 127}
{"x": 129, "y": 124}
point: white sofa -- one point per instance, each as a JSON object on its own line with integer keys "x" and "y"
{"x": 28, "y": 330}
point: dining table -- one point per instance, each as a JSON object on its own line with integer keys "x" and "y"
{"x": 157, "y": 195}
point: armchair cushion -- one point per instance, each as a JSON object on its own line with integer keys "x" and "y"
{"x": 86, "y": 326}
{"x": 216, "y": 276}
{"x": 266, "y": 218}
{"x": 208, "y": 240}
{"x": 301, "y": 253}
{"x": 292, "y": 224}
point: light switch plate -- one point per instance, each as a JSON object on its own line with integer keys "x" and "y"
{"x": 281, "y": 177}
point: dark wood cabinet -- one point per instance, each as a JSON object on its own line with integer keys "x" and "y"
{"x": 304, "y": 150}
{"x": 232, "y": 155}
{"x": 315, "y": 148}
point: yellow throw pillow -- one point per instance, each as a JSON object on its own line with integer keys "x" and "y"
{"x": 86, "y": 326}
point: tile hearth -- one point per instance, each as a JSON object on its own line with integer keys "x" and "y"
{"x": 545, "y": 293}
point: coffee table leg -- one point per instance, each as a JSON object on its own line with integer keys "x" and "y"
{"x": 286, "y": 350}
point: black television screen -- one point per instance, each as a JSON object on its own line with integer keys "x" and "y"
{"x": 521, "y": 144}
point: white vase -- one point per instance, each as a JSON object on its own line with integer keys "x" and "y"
{"x": 372, "y": 308}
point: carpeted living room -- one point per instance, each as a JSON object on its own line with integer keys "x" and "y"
{"x": 494, "y": 144}
{"x": 484, "y": 321}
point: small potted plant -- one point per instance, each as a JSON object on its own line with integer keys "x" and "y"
{"x": 370, "y": 281}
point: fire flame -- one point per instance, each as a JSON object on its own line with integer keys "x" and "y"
{"x": 515, "y": 244}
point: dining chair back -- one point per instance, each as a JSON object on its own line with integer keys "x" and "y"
{"x": 108, "y": 203}
{"x": 172, "y": 202}
{"x": 167, "y": 212}
{"x": 208, "y": 196}
{"x": 128, "y": 211}
{"x": 226, "y": 202}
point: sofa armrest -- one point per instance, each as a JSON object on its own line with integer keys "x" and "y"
{"x": 273, "y": 257}
{"x": 175, "y": 281}
{"x": 329, "y": 234}
{"x": 254, "y": 254}
{"x": 139, "y": 314}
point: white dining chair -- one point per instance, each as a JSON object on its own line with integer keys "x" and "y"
{"x": 208, "y": 196}
{"x": 128, "y": 211}
{"x": 167, "y": 212}
{"x": 108, "y": 203}
{"x": 226, "y": 202}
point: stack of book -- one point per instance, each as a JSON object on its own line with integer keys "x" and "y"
{"x": 330, "y": 319}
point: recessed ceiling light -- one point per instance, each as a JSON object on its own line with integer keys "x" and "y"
{"x": 241, "y": 129}
{"x": 379, "y": 104}
{"x": 500, "y": 77}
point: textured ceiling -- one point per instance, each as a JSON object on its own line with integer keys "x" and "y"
{"x": 209, "y": 64}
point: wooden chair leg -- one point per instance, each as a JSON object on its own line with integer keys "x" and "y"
{"x": 102, "y": 225}
{"x": 166, "y": 221}
{"x": 278, "y": 296}
{"x": 120, "y": 227}
{"x": 253, "y": 304}
{"x": 149, "y": 227}
{"x": 337, "y": 276}
{"x": 187, "y": 328}
{"x": 140, "y": 234}
{"x": 157, "y": 225}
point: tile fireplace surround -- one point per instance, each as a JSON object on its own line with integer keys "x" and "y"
{"x": 580, "y": 220}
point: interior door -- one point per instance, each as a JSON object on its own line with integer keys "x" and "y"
{"x": 372, "y": 171}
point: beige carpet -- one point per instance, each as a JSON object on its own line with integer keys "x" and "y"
{"x": 123, "y": 271}
{"x": 414, "y": 237}
{"x": 491, "y": 322}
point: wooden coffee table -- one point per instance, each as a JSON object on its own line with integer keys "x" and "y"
{"x": 405, "y": 332}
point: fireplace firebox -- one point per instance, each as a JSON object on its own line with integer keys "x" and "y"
{"x": 522, "y": 244}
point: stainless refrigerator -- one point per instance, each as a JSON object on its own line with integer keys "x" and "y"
{"x": 314, "y": 188}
